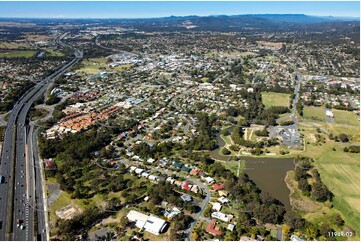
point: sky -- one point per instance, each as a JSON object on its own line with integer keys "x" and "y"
{"x": 92, "y": 9}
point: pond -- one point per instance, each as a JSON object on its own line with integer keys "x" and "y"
{"x": 267, "y": 173}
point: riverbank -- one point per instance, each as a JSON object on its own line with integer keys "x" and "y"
{"x": 317, "y": 213}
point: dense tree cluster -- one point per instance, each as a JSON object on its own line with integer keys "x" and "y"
{"x": 52, "y": 99}
{"x": 269, "y": 116}
{"x": 206, "y": 138}
{"x": 352, "y": 149}
{"x": 226, "y": 151}
{"x": 255, "y": 105}
{"x": 316, "y": 189}
{"x": 12, "y": 96}
{"x": 263, "y": 133}
{"x": 343, "y": 137}
{"x": 73, "y": 154}
{"x": 237, "y": 134}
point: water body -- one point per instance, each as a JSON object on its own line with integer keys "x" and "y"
{"x": 267, "y": 173}
{"x": 40, "y": 54}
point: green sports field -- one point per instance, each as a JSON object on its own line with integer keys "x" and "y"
{"x": 346, "y": 117}
{"x": 314, "y": 113}
{"x": 275, "y": 99}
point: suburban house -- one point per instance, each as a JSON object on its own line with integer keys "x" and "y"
{"x": 213, "y": 229}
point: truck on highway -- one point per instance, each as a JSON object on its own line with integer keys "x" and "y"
{"x": 1, "y": 179}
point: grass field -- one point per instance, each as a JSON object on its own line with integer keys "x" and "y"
{"x": 13, "y": 45}
{"x": 339, "y": 170}
{"x": 314, "y": 113}
{"x": 63, "y": 200}
{"x": 20, "y": 53}
{"x": 93, "y": 65}
{"x": 96, "y": 65}
{"x": 54, "y": 53}
{"x": 346, "y": 117}
{"x": 234, "y": 165}
{"x": 122, "y": 67}
{"x": 275, "y": 99}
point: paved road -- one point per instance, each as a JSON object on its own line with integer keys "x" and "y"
{"x": 17, "y": 193}
{"x": 290, "y": 133}
{"x": 39, "y": 200}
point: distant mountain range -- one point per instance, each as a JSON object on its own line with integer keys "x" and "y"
{"x": 262, "y": 22}
{"x": 277, "y": 18}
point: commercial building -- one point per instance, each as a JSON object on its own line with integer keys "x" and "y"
{"x": 149, "y": 223}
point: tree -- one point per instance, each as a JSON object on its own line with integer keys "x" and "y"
{"x": 293, "y": 220}
{"x": 343, "y": 138}
{"x": 225, "y": 132}
{"x": 337, "y": 219}
{"x": 304, "y": 186}
{"x": 207, "y": 212}
{"x": 311, "y": 231}
{"x": 263, "y": 133}
{"x": 320, "y": 192}
{"x": 225, "y": 151}
{"x": 300, "y": 173}
{"x": 52, "y": 99}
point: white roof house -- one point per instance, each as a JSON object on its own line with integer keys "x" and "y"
{"x": 171, "y": 180}
{"x": 209, "y": 179}
{"x": 152, "y": 177}
{"x": 223, "y": 200}
{"x": 132, "y": 168}
{"x": 172, "y": 213}
{"x": 194, "y": 189}
{"x": 150, "y": 160}
{"x": 145, "y": 174}
{"x": 222, "y": 216}
{"x": 139, "y": 170}
{"x": 151, "y": 223}
{"x": 217, "y": 207}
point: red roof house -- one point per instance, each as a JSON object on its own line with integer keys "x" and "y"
{"x": 218, "y": 186}
{"x": 195, "y": 171}
{"x": 186, "y": 186}
{"x": 212, "y": 228}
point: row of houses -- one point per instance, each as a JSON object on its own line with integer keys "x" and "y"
{"x": 186, "y": 185}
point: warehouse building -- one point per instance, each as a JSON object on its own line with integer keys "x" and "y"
{"x": 149, "y": 223}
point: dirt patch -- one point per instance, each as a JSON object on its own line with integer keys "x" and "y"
{"x": 312, "y": 138}
{"x": 67, "y": 212}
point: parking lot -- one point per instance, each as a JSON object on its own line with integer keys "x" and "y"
{"x": 288, "y": 134}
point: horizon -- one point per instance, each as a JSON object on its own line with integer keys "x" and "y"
{"x": 180, "y": 16}
{"x": 148, "y": 9}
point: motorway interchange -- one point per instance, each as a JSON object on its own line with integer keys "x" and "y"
{"x": 21, "y": 193}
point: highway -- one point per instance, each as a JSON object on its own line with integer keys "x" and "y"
{"x": 17, "y": 193}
